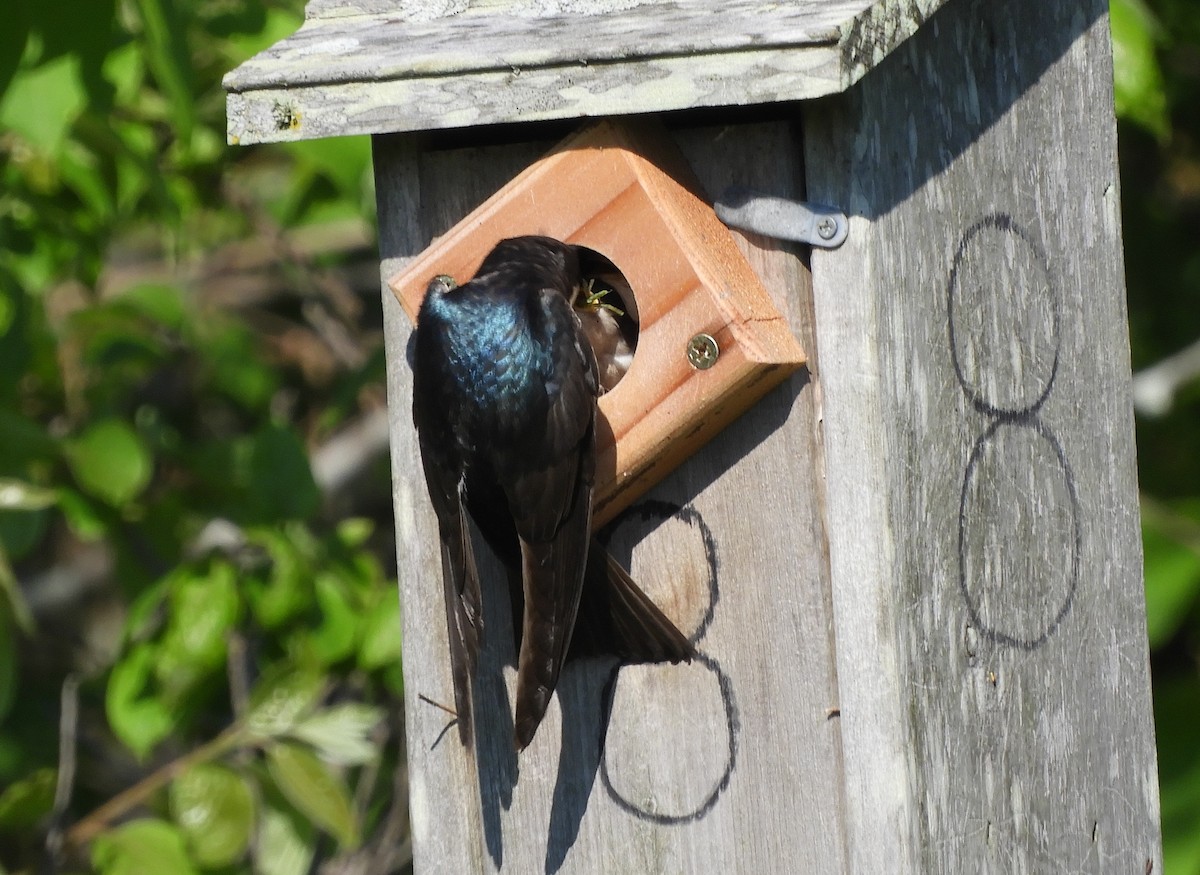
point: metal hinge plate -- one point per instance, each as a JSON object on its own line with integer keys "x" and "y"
{"x": 814, "y": 224}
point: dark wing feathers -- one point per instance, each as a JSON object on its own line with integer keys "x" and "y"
{"x": 464, "y": 619}
{"x": 555, "y": 461}
{"x": 460, "y": 579}
{"x": 552, "y": 508}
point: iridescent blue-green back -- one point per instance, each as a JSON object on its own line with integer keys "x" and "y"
{"x": 483, "y": 352}
{"x": 495, "y": 357}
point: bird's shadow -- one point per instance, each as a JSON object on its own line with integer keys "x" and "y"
{"x": 584, "y": 721}
{"x": 579, "y": 693}
{"x": 581, "y": 687}
{"x": 495, "y": 756}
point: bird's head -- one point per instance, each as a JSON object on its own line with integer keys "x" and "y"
{"x": 441, "y": 284}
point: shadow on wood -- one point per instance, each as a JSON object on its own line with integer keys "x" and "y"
{"x": 937, "y": 119}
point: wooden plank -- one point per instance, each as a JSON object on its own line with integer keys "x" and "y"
{"x": 981, "y": 481}
{"x": 374, "y": 71}
{"x": 387, "y": 49}
{"x": 518, "y": 95}
{"x": 729, "y": 764}
{"x": 444, "y": 826}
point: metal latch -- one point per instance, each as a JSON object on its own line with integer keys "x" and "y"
{"x": 814, "y": 224}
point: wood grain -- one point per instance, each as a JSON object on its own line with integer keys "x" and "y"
{"x": 359, "y": 68}
{"x": 729, "y": 764}
{"x": 445, "y": 827}
{"x": 981, "y": 482}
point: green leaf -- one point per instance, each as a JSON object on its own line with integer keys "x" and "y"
{"x": 1138, "y": 86}
{"x": 119, "y": 341}
{"x": 77, "y": 170}
{"x": 139, "y": 719}
{"x": 311, "y": 786}
{"x": 354, "y": 532}
{"x": 236, "y": 369}
{"x": 168, "y": 57}
{"x": 342, "y": 734}
{"x": 141, "y": 847}
{"x": 110, "y": 461}
{"x": 147, "y": 615}
{"x": 19, "y": 495}
{"x": 344, "y": 161}
{"x": 277, "y": 473}
{"x": 41, "y": 103}
{"x": 161, "y": 302}
{"x": 214, "y": 806}
{"x": 280, "y": 701}
{"x": 252, "y": 38}
{"x": 27, "y": 801}
{"x": 335, "y": 638}
{"x": 286, "y": 842}
{"x": 284, "y": 593}
{"x": 1171, "y": 544}
{"x": 138, "y": 174}
{"x": 124, "y": 68}
{"x": 381, "y": 642}
{"x": 18, "y": 607}
{"x": 85, "y": 518}
{"x": 1176, "y": 704}
{"x": 203, "y": 606}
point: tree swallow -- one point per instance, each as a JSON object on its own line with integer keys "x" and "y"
{"x": 504, "y": 401}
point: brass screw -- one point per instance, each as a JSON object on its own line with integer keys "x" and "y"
{"x": 702, "y": 351}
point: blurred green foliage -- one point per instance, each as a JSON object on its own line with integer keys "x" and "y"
{"x": 1157, "y": 66}
{"x": 242, "y": 706}
{"x": 135, "y": 412}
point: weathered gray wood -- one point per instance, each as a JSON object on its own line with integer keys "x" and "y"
{"x": 374, "y": 71}
{"x": 447, "y": 825}
{"x": 980, "y": 479}
{"x": 731, "y": 764}
{"x": 424, "y": 10}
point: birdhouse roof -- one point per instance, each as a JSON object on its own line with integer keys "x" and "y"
{"x": 377, "y": 66}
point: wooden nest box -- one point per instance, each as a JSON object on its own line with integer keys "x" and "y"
{"x": 710, "y": 341}
{"x": 911, "y": 567}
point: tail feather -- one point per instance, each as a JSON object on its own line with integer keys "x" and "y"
{"x": 612, "y": 616}
{"x": 464, "y": 617}
{"x": 616, "y": 618}
{"x": 552, "y": 576}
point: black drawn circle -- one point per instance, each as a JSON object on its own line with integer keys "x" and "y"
{"x": 732, "y": 730}
{"x": 660, "y": 511}
{"x": 993, "y": 626}
{"x": 1027, "y": 380}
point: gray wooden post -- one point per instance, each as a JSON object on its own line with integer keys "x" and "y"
{"x": 913, "y": 570}
{"x": 981, "y": 493}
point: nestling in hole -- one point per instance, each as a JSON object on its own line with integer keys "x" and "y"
{"x": 607, "y": 310}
